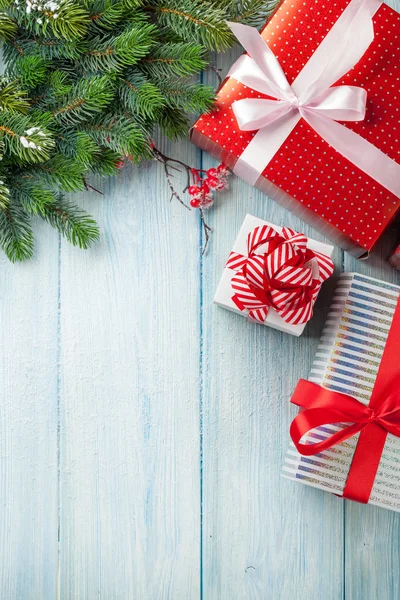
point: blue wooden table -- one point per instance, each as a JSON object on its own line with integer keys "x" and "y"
{"x": 143, "y": 430}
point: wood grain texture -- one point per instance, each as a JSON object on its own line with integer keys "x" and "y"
{"x": 130, "y": 338}
{"x": 263, "y": 537}
{"x": 372, "y": 534}
{"x": 28, "y": 423}
{"x": 143, "y": 430}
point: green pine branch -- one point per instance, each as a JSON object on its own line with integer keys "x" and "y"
{"x": 25, "y": 142}
{"x": 12, "y": 97}
{"x": 139, "y": 95}
{"x": 120, "y": 134}
{"x": 88, "y": 83}
{"x": 61, "y": 18}
{"x": 30, "y": 70}
{"x": 104, "y": 14}
{"x": 249, "y": 12}
{"x": 4, "y": 193}
{"x": 47, "y": 48}
{"x": 85, "y": 99}
{"x": 105, "y": 161}
{"x": 7, "y": 27}
{"x": 31, "y": 195}
{"x": 74, "y": 224}
{"x": 196, "y": 20}
{"x": 195, "y": 98}
{"x": 61, "y": 173}
{"x": 16, "y": 237}
{"x": 173, "y": 123}
{"x": 182, "y": 59}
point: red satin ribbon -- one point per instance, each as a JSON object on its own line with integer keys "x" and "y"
{"x": 381, "y": 416}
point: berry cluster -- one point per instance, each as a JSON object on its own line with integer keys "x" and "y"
{"x": 202, "y": 189}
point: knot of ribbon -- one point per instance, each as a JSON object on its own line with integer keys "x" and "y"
{"x": 314, "y": 96}
{"x": 279, "y": 272}
{"x": 373, "y": 422}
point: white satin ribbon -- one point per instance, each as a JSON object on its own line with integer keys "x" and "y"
{"x": 310, "y": 97}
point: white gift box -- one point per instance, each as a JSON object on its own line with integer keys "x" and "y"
{"x": 223, "y": 296}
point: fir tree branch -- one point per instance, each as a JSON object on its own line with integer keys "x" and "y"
{"x": 203, "y": 22}
{"x": 85, "y": 99}
{"x": 140, "y": 96}
{"x": 105, "y": 14}
{"x": 108, "y": 53}
{"x": 26, "y": 142}
{"x": 189, "y": 98}
{"x": 101, "y": 76}
{"x": 182, "y": 59}
{"x": 31, "y": 195}
{"x": 174, "y": 123}
{"x": 31, "y": 70}
{"x": 61, "y": 173}
{"x": 74, "y": 224}
{"x": 120, "y": 134}
{"x": 60, "y": 18}
{"x": 16, "y": 237}
{"x": 12, "y": 97}
{"x": 249, "y": 12}
{"x": 7, "y": 27}
{"x": 4, "y": 194}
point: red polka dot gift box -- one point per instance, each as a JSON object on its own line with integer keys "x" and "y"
{"x": 310, "y": 115}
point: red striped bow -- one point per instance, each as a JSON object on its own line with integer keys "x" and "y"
{"x": 279, "y": 272}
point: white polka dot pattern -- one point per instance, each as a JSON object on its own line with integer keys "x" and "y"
{"x": 306, "y": 167}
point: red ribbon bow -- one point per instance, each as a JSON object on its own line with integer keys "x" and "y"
{"x": 381, "y": 416}
{"x": 279, "y": 272}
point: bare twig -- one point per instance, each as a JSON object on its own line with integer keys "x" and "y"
{"x": 90, "y": 187}
{"x": 206, "y": 229}
{"x": 178, "y": 165}
{"x": 217, "y": 71}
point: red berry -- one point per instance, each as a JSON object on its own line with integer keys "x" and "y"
{"x": 195, "y": 203}
{"x": 221, "y": 167}
{"x": 193, "y": 189}
{"x": 212, "y": 172}
{"x": 207, "y": 202}
{"x": 205, "y": 187}
{"x": 119, "y": 164}
{"x": 212, "y": 182}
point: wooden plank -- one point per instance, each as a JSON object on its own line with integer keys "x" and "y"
{"x": 372, "y": 534}
{"x": 130, "y": 507}
{"x": 28, "y": 422}
{"x": 263, "y": 536}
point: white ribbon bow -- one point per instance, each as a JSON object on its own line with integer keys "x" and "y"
{"x": 310, "y": 97}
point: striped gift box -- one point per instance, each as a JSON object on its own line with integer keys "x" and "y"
{"x": 347, "y": 361}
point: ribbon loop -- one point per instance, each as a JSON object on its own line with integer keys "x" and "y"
{"x": 265, "y": 60}
{"x": 326, "y": 407}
